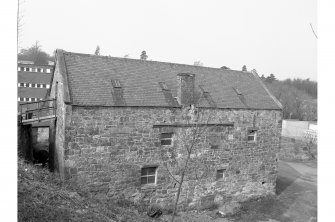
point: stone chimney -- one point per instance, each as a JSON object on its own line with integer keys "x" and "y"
{"x": 185, "y": 93}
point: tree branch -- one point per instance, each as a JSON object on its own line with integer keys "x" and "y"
{"x": 167, "y": 169}
{"x": 313, "y": 31}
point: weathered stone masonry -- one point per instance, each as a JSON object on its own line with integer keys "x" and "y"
{"x": 106, "y": 147}
{"x": 63, "y": 112}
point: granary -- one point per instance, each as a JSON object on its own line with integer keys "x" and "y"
{"x": 121, "y": 127}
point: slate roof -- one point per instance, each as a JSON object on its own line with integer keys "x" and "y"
{"x": 89, "y": 79}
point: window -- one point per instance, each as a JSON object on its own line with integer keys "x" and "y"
{"x": 166, "y": 139}
{"x": 252, "y": 135}
{"x": 29, "y": 115}
{"x": 148, "y": 175}
{"x": 33, "y": 99}
{"x": 214, "y": 146}
{"x": 39, "y": 70}
{"x": 21, "y": 99}
{"x": 38, "y": 85}
{"x": 22, "y": 84}
{"x": 44, "y": 85}
{"x": 33, "y": 85}
{"x": 27, "y": 69}
{"x": 220, "y": 174}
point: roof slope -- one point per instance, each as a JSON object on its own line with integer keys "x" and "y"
{"x": 89, "y": 81}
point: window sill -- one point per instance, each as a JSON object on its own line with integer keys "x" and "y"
{"x": 252, "y": 142}
{"x": 220, "y": 180}
{"x": 148, "y": 186}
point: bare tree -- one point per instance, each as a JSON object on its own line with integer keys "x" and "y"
{"x": 144, "y": 55}
{"x": 225, "y": 67}
{"x": 35, "y": 54}
{"x": 198, "y": 63}
{"x": 186, "y": 161}
{"x": 311, "y": 142}
{"x": 97, "y": 50}
{"x": 19, "y": 22}
{"x": 313, "y": 31}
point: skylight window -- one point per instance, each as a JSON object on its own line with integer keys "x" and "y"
{"x": 116, "y": 83}
{"x": 163, "y": 86}
{"x": 238, "y": 92}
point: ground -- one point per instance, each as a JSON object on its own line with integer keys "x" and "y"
{"x": 41, "y": 197}
{"x": 296, "y": 199}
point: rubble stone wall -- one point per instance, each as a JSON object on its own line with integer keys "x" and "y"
{"x": 106, "y": 147}
{"x": 295, "y": 149}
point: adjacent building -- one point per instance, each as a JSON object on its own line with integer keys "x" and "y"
{"x": 123, "y": 124}
{"x": 33, "y": 81}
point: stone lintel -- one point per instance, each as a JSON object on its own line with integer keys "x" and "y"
{"x": 193, "y": 125}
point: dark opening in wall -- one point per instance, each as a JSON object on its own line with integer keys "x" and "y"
{"x": 166, "y": 139}
{"x": 220, "y": 174}
{"x": 214, "y": 146}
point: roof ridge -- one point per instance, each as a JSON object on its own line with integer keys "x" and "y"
{"x": 151, "y": 61}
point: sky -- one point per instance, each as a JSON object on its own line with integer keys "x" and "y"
{"x": 271, "y": 36}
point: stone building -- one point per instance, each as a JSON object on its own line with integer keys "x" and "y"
{"x": 119, "y": 121}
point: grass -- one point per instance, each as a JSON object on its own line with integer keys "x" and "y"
{"x": 42, "y": 196}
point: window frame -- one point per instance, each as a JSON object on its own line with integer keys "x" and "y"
{"x": 147, "y": 175}
{"x": 252, "y": 133}
{"x": 163, "y": 138}
{"x": 220, "y": 175}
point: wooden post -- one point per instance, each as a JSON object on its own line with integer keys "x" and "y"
{"x": 38, "y": 111}
{"x": 26, "y": 145}
{"x": 52, "y": 148}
